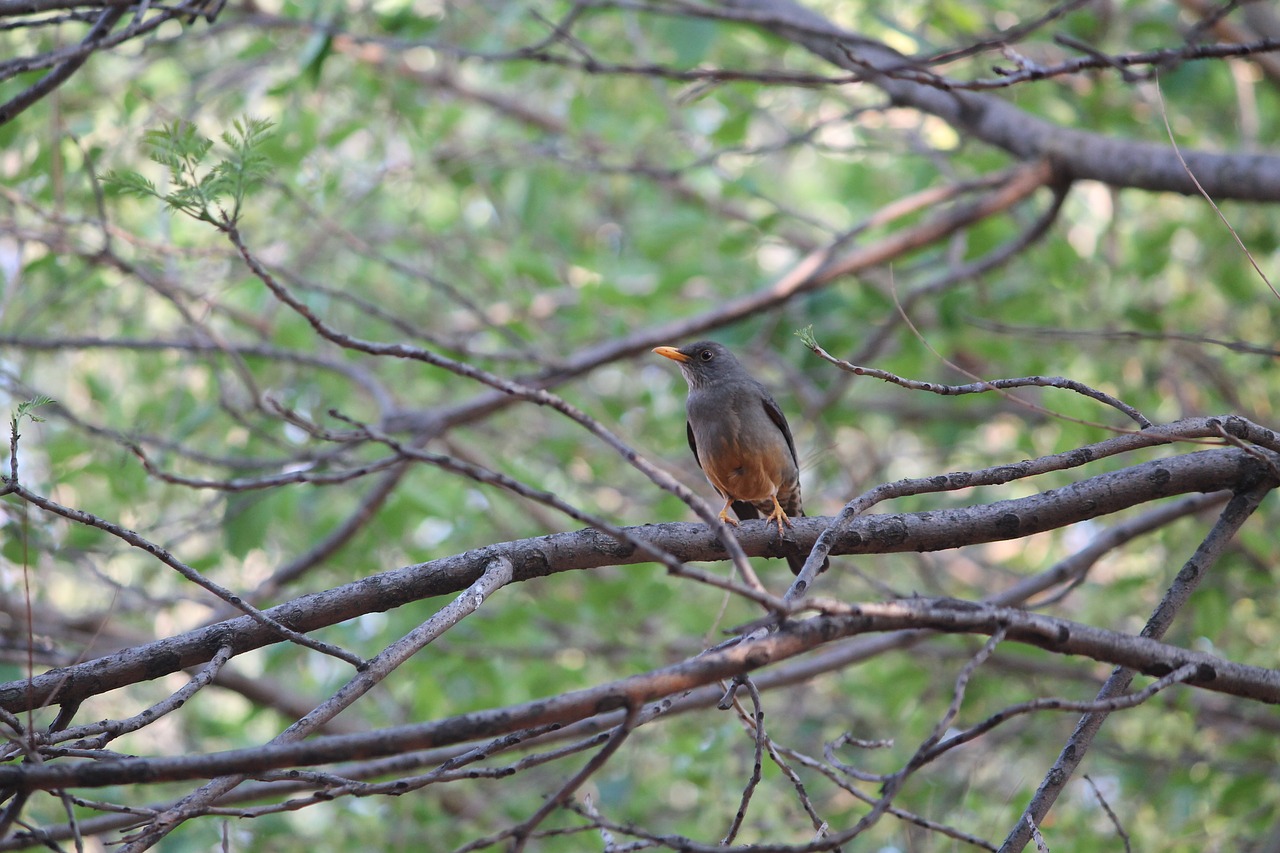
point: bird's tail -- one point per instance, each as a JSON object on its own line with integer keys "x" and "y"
{"x": 796, "y": 562}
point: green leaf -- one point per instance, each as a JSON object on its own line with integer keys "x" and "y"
{"x": 26, "y": 409}
{"x": 317, "y": 49}
{"x": 125, "y": 182}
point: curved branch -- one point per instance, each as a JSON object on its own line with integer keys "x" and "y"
{"x": 1237, "y": 511}
{"x": 61, "y": 72}
{"x": 1204, "y": 471}
{"x": 982, "y": 385}
{"x": 1075, "y": 154}
{"x": 1235, "y": 430}
{"x": 819, "y": 268}
{"x": 1059, "y": 635}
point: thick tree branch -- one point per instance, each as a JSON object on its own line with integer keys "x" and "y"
{"x": 594, "y": 729}
{"x": 793, "y": 638}
{"x": 1076, "y": 154}
{"x": 1205, "y": 471}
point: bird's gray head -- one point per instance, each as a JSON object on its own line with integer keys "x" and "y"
{"x": 704, "y": 363}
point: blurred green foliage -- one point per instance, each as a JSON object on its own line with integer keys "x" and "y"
{"x": 428, "y": 183}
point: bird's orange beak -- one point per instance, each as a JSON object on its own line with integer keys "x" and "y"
{"x": 671, "y": 353}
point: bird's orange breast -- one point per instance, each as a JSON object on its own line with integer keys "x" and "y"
{"x": 746, "y": 473}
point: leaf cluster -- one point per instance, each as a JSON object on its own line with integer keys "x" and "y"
{"x": 212, "y": 192}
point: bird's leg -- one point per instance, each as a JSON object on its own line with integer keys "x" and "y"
{"x": 724, "y": 513}
{"x": 778, "y": 516}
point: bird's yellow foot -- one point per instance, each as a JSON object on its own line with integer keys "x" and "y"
{"x": 778, "y": 516}
{"x": 724, "y": 516}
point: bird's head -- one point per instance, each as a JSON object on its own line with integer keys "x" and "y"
{"x": 703, "y": 363}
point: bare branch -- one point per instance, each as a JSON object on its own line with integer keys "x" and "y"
{"x": 1209, "y": 470}
{"x": 794, "y": 638}
{"x": 1233, "y": 516}
{"x": 1075, "y": 154}
{"x": 164, "y": 556}
{"x": 984, "y": 385}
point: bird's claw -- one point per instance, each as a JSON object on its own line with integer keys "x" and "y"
{"x": 779, "y": 517}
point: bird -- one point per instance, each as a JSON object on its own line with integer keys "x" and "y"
{"x": 740, "y": 438}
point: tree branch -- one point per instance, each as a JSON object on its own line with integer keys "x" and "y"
{"x": 1075, "y": 154}
{"x": 794, "y": 638}
{"x": 1234, "y": 514}
{"x": 1205, "y": 471}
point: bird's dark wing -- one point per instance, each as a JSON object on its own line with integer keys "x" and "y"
{"x": 774, "y": 411}
{"x": 693, "y": 442}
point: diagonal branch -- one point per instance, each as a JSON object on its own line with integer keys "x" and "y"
{"x": 1076, "y": 154}
{"x": 819, "y": 268}
{"x": 1204, "y": 471}
{"x": 63, "y": 71}
{"x": 1236, "y": 512}
{"x": 496, "y": 576}
{"x": 838, "y": 620}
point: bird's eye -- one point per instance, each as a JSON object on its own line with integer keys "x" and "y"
{"x": 706, "y": 355}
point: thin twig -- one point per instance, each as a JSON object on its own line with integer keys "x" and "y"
{"x": 984, "y": 385}
{"x": 1111, "y": 815}
{"x": 1177, "y": 150}
{"x": 755, "y": 725}
{"x": 508, "y": 387}
{"x": 496, "y": 575}
{"x": 163, "y": 555}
